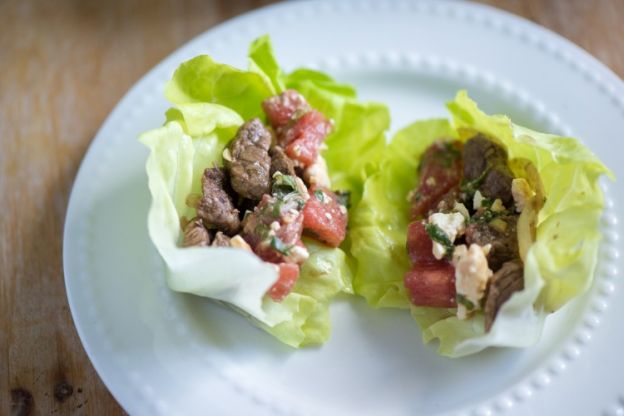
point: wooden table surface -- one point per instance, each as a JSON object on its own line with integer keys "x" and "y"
{"x": 63, "y": 67}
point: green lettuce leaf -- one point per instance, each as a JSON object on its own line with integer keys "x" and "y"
{"x": 210, "y": 101}
{"x": 559, "y": 264}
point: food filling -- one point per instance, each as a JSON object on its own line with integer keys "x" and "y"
{"x": 463, "y": 238}
{"x": 273, "y": 188}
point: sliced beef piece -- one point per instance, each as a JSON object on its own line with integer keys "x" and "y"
{"x": 447, "y": 201}
{"x": 507, "y": 280}
{"x": 479, "y": 153}
{"x": 249, "y": 162}
{"x": 221, "y": 240}
{"x": 195, "y": 234}
{"x": 497, "y": 184}
{"x": 503, "y": 238}
{"x": 215, "y": 207}
{"x": 280, "y": 162}
{"x": 486, "y": 162}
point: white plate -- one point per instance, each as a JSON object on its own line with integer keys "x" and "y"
{"x": 166, "y": 353}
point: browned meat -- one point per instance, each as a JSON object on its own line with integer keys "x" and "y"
{"x": 215, "y": 207}
{"x": 497, "y": 184}
{"x": 221, "y": 240}
{"x": 280, "y": 162}
{"x": 501, "y": 234}
{"x": 485, "y": 162}
{"x": 195, "y": 234}
{"x": 447, "y": 201}
{"x": 506, "y": 281}
{"x": 248, "y": 160}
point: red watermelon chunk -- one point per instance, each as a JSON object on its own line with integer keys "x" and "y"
{"x": 324, "y": 219}
{"x": 288, "y": 275}
{"x": 303, "y": 140}
{"x": 281, "y": 109}
{"x": 432, "y": 285}
{"x": 440, "y": 172}
{"x": 419, "y": 244}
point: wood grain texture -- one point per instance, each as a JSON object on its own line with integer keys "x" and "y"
{"x": 64, "y": 65}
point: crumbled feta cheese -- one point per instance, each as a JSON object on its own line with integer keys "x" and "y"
{"x": 290, "y": 216}
{"x": 238, "y": 242}
{"x": 298, "y": 254}
{"x": 452, "y": 224}
{"x": 521, "y": 192}
{"x": 471, "y": 277}
{"x": 316, "y": 174}
{"x": 342, "y": 208}
{"x": 328, "y": 216}
{"x": 227, "y": 155}
{"x": 302, "y": 189}
{"x": 497, "y": 206}
{"x": 461, "y": 208}
{"x": 430, "y": 181}
{"x": 275, "y": 226}
{"x": 477, "y": 200}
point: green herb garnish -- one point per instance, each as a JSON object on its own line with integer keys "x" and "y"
{"x": 283, "y": 185}
{"x": 463, "y": 300}
{"x": 440, "y": 237}
{"x": 318, "y": 194}
{"x": 471, "y": 186}
{"x": 278, "y": 245}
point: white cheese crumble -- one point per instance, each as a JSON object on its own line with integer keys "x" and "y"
{"x": 452, "y": 224}
{"x": 302, "y": 189}
{"x": 497, "y": 206}
{"x": 430, "y": 181}
{"x": 461, "y": 208}
{"x": 316, "y": 174}
{"x": 471, "y": 277}
{"x": 298, "y": 254}
{"x": 477, "y": 199}
{"x": 238, "y": 242}
{"x": 521, "y": 192}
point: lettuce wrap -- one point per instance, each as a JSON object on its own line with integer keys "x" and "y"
{"x": 210, "y": 101}
{"x": 558, "y": 264}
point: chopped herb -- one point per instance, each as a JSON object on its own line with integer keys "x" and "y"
{"x": 278, "y": 245}
{"x": 487, "y": 215}
{"x": 437, "y": 235}
{"x": 487, "y": 203}
{"x": 471, "y": 186}
{"x": 277, "y": 208}
{"x": 283, "y": 185}
{"x": 416, "y": 197}
{"x": 343, "y": 198}
{"x": 262, "y": 231}
{"x": 318, "y": 194}
{"x": 463, "y": 300}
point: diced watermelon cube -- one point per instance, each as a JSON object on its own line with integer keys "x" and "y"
{"x": 303, "y": 140}
{"x": 431, "y": 285}
{"x": 324, "y": 219}
{"x": 288, "y": 275}
{"x": 281, "y": 109}
{"x": 419, "y": 244}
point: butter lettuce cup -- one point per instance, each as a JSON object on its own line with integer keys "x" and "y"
{"x": 480, "y": 227}
{"x": 251, "y": 177}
